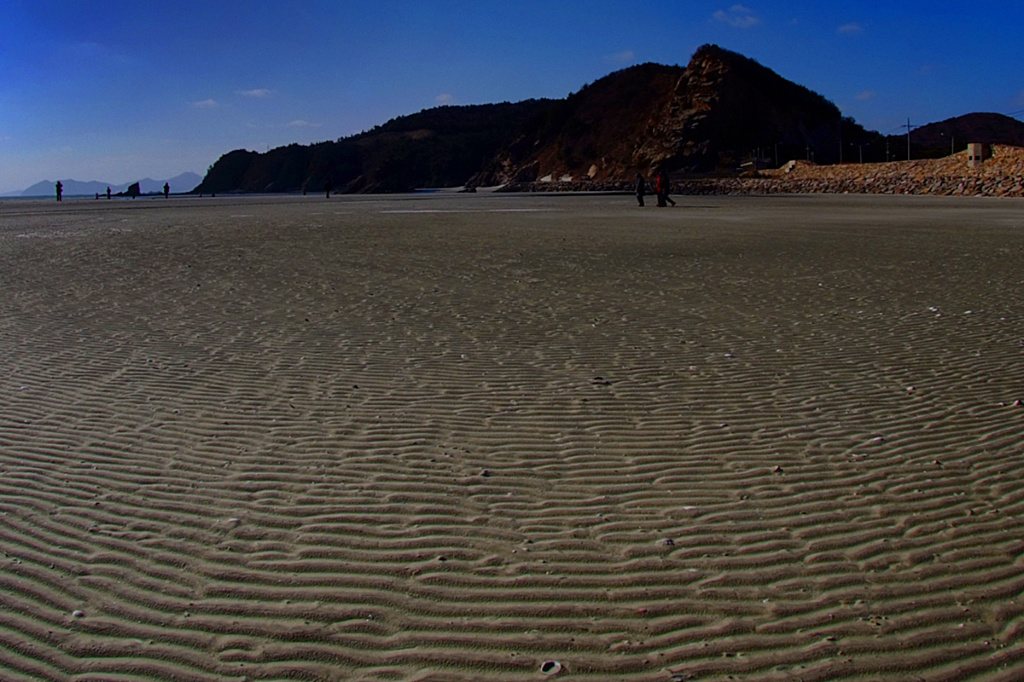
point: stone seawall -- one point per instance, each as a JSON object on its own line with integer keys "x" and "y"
{"x": 1002, "y": 175}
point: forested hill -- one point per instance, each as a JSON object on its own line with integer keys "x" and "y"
{"x": 441, "y": 147}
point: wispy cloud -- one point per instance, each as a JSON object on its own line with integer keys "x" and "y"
{"x": 866, "y": 95}
{"x": 206, "y": 104}
{"x": 297, "y": 123}
{"x": 444, "y": 98}
{"x": 624, "y": 57}
{"x": 738, "y": 16}
{"x": 93, "y": 53}
{"x": 258, "y": 93}
{"x": 851, "y": 29}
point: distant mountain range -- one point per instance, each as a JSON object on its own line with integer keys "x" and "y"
{"x": 721, "y": 113}
{"x": 183, "y": 183}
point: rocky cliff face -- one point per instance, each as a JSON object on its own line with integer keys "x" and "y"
{"x": 735, "y": 107}
{"x": 594, "y": 132}
{"x": 718, "y": 112}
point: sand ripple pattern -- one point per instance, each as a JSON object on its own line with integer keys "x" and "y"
{"x": 450, "y": 439}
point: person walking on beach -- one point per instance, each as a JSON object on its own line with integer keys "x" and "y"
{"x": 60, "y": 190}
{"x": 167, "y": 190}
{"x": 641, "y": 189}
{"x": 328, "y": 186}
{"x": 661, "y": 184}
{"x": 108, "y": 194}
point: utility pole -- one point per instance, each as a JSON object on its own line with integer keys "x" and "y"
{"x": 840, "y": 141}
{"x": 908, "y": 138}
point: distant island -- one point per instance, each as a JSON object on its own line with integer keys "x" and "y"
{"x": 721, "y": 115}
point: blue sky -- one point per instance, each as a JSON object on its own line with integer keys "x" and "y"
{"x": 116, "y": 91}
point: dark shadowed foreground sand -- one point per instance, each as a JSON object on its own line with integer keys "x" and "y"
{"x": 512, "y": 438}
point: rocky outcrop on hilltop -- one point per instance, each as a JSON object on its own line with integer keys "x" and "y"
{"x": 727, "y": 105}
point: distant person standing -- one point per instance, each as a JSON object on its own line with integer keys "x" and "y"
{"x": 641, "y": 188}
{"x": 328, "y": 186}
{"x": 167, "y": 190}
{"x": 108, "y": 194}
{"x": 60, "y": 190}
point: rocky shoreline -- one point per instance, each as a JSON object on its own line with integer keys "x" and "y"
{"x": 1002, "y": 175}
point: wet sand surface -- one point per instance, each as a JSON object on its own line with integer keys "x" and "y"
{"x": 451, "y": 437}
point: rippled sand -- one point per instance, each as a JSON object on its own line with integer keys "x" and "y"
{"x": 512, "y": 438}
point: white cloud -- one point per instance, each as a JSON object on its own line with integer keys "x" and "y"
{"x": 850, "y": 29}
{"x": 738, "y": 16}
{"x": 257, "y": 93}
{"x": 206, "y": 104}
{"x": 444, "y": 98}
{"x": 299, "y": 123}
{"x": 867, "y": 94}
{"x": 624, "y": 57}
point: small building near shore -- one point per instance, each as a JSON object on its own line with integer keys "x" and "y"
{"x": 977, "y": 152}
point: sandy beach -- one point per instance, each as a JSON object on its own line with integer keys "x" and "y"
{"x": 493, "y": 437}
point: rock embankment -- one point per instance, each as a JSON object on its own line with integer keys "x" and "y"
{"x": 1002, "y": 175}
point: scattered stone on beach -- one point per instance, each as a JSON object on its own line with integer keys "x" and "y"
{"x": 78, "y": 613}
{"x": 550, "y": 668}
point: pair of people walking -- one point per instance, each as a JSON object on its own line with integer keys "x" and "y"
{"x": 661, "y": 188}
